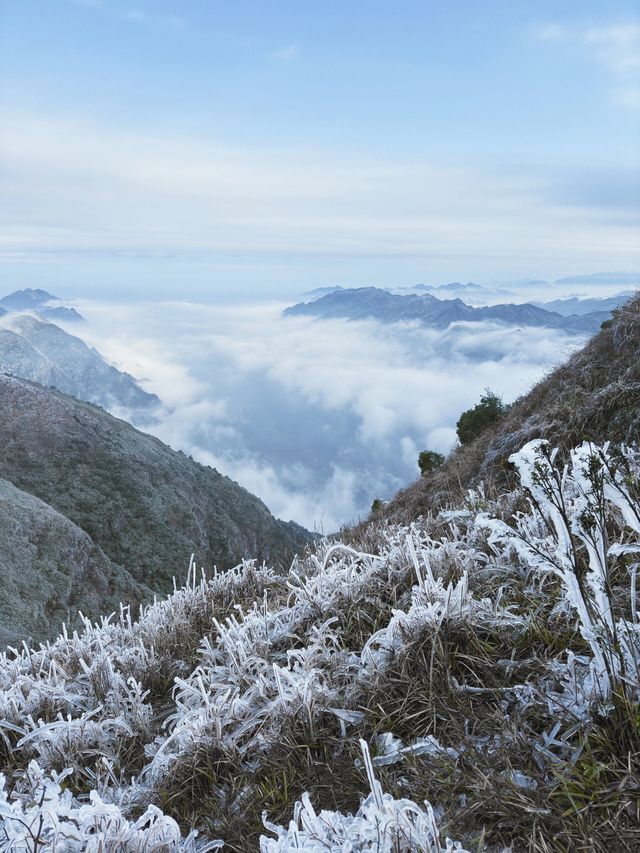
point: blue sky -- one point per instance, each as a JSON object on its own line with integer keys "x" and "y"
{"x": 266, "y": 147}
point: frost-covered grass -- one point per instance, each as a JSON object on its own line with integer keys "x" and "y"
{"x": 472, "y": 676}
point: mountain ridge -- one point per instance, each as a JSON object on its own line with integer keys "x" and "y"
{"x": 51, "y": 569}
{"x": 30, "y": 299}
{"x": 37, "y": 349}
{"x": 375, "y": 303}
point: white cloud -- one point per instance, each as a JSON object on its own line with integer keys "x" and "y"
{"x": 550, "y": 32}
{"x": 316, "y": 417}
{"x": 617, "y": 47}
{"x": 69, "y": 186}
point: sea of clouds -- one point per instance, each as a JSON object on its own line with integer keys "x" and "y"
{"x": 318, "y": 418}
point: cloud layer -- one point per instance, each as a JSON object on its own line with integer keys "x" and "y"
{"x": 73, "y": 187}
{"x": 317, "y": 418}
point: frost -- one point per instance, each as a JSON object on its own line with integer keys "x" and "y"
{"x": 381, "y": 825}
{"x": 568, "y": 510}
{"x": 228, "y": 670}
{"x": 44, "y": 817}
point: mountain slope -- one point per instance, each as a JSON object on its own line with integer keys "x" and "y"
{"x": 484, "y": 661}
{"x": 594, "y": 396}
{"x": 36, "y": 349}
{"x": 50, "y": 570}
{"x": 371, "y": 302}
{"x": 147, "y": 506}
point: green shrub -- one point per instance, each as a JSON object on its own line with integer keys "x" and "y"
{"x": 475, "y": 421}
{"x": 428, "y": 460}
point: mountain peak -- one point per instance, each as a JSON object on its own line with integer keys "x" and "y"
{"x": 35, "y": 299}
{"x": 28, "y": 297}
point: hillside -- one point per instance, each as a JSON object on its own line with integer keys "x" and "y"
{"x": 464, "y": 680}
{"x": 51, "y": 569}
{"x": 472, "y": 676}
{"x": 145, "y": 507}
{"x": 593, "y": 396}
{"x": 33, "y": 348}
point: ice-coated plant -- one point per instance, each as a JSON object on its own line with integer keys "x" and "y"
{"x": 41, "y": 816}
{"x": 568, "y": 517}
{"x": 382, "y": 824}
{"x": 221, "y": 687}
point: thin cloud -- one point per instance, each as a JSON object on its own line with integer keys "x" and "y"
{"x": 133, "y": 15}
{"x": 136, "y": 16}
{"x": 615, "y": 47}
{"x": 286, "y": 54}
{"x": 74, "y": 187}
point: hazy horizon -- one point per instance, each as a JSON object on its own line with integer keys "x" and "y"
{"x": 184, "y": 170}
{"x": 174, "y": 147}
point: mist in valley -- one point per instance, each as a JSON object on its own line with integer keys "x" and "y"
{"x": 318, "y": 418}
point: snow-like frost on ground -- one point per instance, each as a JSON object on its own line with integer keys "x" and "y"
{"x": 382, "y": 824}
{"x": 231, "y": 665}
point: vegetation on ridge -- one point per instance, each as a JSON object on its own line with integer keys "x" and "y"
{"x": 141, "y": 507}
{"x": 488, "y": 658}
{"x": 487, "y": 413}
{"x": 593, "y": 396}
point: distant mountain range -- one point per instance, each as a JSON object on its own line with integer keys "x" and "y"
{"x": 576, "y": 306}
{"x": 40, "y": 301}
{"x": 594, "y": 396}
{"x": 94, "y": 511}
{"x": 492, "y": 290}
{"x": 34, "y": 348}
{"x": 619, "y": 278}
{"x": 371, "y": 302}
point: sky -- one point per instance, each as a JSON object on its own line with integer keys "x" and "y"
{"x": 223, "y": 150}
